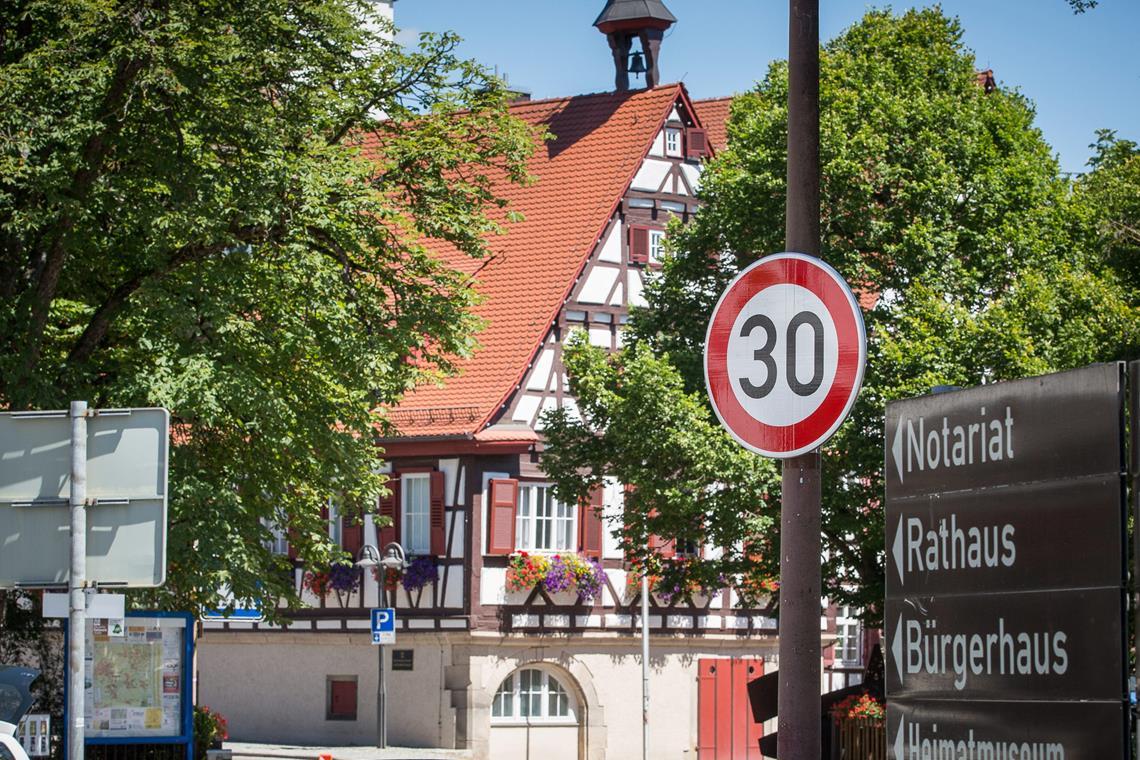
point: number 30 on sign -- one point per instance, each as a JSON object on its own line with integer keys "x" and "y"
{"x": 784, "y": 354}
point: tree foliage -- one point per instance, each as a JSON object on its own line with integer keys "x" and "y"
{"x": 945, "y": 209}
{"x": 194, "y": 214}
{"x": 639, "y": 425}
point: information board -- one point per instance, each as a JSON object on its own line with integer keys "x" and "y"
{"x": 1005, "y": 569}
{"x": 134, "y": 681}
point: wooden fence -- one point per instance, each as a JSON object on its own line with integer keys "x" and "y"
{"x": 858, "y": 739}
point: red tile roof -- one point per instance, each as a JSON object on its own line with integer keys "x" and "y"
{"x": 599, "y": 143}
{"x": 712, "y": 113}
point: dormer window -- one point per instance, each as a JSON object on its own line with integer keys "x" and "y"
{"x": 673, "y": 142}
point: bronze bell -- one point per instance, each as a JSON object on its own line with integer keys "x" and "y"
{"x": 636, "y": 64}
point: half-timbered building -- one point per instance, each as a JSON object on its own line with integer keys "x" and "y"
{"x": 475, "y": 665}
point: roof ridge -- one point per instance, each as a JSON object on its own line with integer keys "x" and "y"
{"x": 562, "y": 98}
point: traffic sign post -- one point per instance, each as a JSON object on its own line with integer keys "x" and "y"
{"x": 53, "y": 466}
{"x": 1006, "y": 568}
{"x": 383, "y": 632}
{"x": 784, "y": 357}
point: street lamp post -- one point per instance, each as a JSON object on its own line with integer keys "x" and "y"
{"x": 393, "y": 559}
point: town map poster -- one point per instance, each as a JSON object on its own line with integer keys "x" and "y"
{"x": 133, "y": 679}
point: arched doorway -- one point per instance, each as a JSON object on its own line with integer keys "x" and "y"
{"x": 536, "y": 714}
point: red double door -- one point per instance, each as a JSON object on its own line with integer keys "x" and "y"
{"x": 725, "y": 728}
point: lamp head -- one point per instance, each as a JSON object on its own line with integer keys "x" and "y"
{"x": 369, "y": 556}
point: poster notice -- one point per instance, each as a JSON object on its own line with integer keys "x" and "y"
{"x": 133, "y": 684}
{"x": 34, "y": 734}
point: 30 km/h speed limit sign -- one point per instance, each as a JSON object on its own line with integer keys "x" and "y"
{"x": 784, "y": 354}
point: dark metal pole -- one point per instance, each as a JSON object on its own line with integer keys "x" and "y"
{"x": 1134, "y": 497}
{"x": 799, "y": 674}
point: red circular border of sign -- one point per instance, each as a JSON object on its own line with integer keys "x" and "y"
{"x": 828, "y": 285}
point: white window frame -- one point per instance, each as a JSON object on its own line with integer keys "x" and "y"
{"x": 415, "y": 536}
{"x": 656, "y": 245}
{"x": 510, "y": 695}
{"x": 848, "y": 635}
{"x": 673, "y": 140}
{"x": 279, "y": 543}
{"x": 334, "y": 528}
{"x": 529, "y": 524}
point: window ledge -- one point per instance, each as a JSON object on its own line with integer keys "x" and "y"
{"x": 524, "y": 723}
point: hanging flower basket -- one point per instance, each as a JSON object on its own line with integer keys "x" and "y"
{"x": 340, "y": 579}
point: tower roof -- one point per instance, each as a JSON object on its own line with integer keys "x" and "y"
{"x": 625, "y": 12}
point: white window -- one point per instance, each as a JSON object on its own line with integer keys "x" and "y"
{"x": 672, "y": 141}
{"x": 532, "y": 695}
{"x": 415, "y": 513}
{"x": 848, "y": 649}
{"x": 279, "y": 542}
{"x": 543, "y": 523}
{"x": 334, "y": 522}
{"x": 656, "y": 245}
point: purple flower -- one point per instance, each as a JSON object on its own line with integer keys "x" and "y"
{"x": 343, "y": 577}
{"x": 419, "y": 572}
{"x": 590, "y": 582}
{"x": 559, "y": 577}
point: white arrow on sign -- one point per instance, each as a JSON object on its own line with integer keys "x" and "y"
{"x": 899, "y": 741}
{"x": 897, "y": 552}
{"x": 897, "y": 448}
{"x": 896, "y": 648}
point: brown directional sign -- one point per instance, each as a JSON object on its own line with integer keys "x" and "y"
{"x": 1005, "y": 570}
{"x": 1044, "y": 428}
{"x": 1006, "y": 730}
{"x": 1032, "y": 645}
{"x": 1016, "y": 538}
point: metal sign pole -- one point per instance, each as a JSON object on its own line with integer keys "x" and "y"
{"x": 381, "y": 701}
{"x": 645, "y": 662}
{"x": 798, "y": 735}
{"x": 77, "y": 619}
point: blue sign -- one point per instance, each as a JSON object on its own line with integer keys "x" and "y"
{"x": 238, "y": 615}
{"x": 384, "y": 626}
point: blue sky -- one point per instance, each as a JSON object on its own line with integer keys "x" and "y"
{"x": 1081, "y": 71}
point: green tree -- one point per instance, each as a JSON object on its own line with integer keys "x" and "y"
{"x": 194, "y": 214}
{"x": 1109, "y": 194}
{"x": 944, "y": 208}
{"x": 644, "y": 429}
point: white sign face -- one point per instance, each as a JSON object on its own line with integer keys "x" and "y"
{"x": 784, "y": 354}
{"x": 127, "y": 455}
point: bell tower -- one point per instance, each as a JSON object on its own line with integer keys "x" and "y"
{"x": 622, "y": 21}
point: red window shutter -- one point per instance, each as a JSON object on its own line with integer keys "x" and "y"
{"x": 504, "y": 498}
{"x": 438, "y": 531}
{"x": 351, "y": 534}
{"x": 639, "y": 244}
{"x": 665, "y": 549}
{"x": 390, "y": 507}
{"x": 696, "y": 142}
{"x": 292, "y": 548}
{"x": 342, "y": 699}
{"x": 590, "y": 525}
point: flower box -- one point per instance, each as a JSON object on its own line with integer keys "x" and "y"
{"x": 566, "y": 578}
